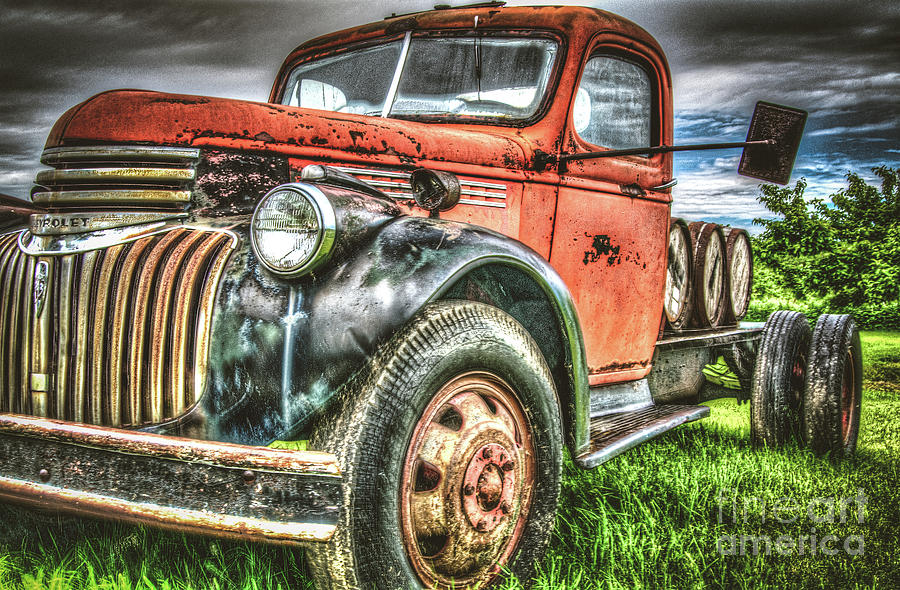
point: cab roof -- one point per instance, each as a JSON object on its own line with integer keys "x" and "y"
{"x": 576, "y": 25}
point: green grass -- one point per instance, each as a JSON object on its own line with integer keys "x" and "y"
{"x": 649, "y": 518}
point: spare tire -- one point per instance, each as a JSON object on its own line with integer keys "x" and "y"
{"x": 709, "y": 274}
{"x": 679, "y": 275}
{"x": 738, "y": 275}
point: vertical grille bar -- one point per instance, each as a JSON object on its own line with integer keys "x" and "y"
{"x": 141, "y": 330}
{"x": 64, "y": 287}
{"x": 99, "y": 359}
{"x": 80, "y": 387}
{"x": 122, "y": 321}
{"x": 158, "y": 358}
{"x": 12, "y": 361}
{"x": 184, "y": 392}
{"x": 122, "y": 337}
{"x": 7, "y": 308}
{"x": 41, "y": 314}
{"x": 204, "y": 316}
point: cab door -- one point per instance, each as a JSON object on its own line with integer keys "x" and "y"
{"x": 609, "y": 241}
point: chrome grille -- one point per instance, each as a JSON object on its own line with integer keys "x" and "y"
{"x": 396, "y": 185}
{"x": 114, "y": 337}
{"x": 148, "y": 176}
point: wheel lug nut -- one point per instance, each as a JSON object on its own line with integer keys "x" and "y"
{"x": 488, "y": 453}
{"x": 469, "y": 489}
{"x": 482, "y": 525}
{"x": 509, "y": 465}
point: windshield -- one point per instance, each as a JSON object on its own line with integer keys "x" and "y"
{"x": 487, "y": 77}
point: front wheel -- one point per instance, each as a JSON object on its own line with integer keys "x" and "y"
{"x": 450, "y": 445}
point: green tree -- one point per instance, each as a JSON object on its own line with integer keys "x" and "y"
{"x": 846, "y": 251}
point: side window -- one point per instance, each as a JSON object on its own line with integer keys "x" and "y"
{"x": 614, "y": 103}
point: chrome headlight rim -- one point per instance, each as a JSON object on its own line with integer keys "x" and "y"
{"x": 327, "y": 220}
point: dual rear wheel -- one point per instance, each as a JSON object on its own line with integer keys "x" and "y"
{"x": 807, "y": 384}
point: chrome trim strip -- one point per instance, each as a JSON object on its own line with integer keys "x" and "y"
{"x": 125, "y": 152}
{"x": 479, "y": 184}
{"x": 482, "y": 203}
{"x": 113, "y": 195}
{"x": 405, "y": 176}
{"x": 467, "y": 192}
{"x": 395, "y": 81}
{"x": 387, "y": 184}
{"x": 373, "y": 172}
{"x": 53, "y": 224}
{"x": 474, "y": 193}
{"x": 665, "y": 186}
{"x": 72, "y": 175}
{"x": 73, "y": 243}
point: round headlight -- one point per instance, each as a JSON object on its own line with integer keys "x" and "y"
{"x": 293, "y": 229}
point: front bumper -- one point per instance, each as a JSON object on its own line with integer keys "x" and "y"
{"x": 195, "y": 486}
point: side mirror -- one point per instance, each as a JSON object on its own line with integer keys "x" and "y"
{"x": 783, "y": 127}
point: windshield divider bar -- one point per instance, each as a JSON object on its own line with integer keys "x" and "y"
{"x": 395, "y": 82}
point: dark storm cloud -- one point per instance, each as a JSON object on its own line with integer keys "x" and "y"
{"x": 58, "y": 53}
{"x": 836, "y": 59}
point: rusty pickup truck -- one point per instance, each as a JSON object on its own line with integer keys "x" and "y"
{"x": 441, "y": 254}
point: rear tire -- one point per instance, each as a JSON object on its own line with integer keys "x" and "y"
{"x": 833, "y": 395}
{"x": 450, "y": 447}
{"x": 776, "y": 389}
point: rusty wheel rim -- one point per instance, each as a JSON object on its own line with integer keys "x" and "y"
{"x": 798, "y": 377}
{"x": 848, "y": 396}
{"x": 467, "y": 480}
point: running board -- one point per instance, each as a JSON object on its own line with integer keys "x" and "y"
{"x": 613, "y": 434}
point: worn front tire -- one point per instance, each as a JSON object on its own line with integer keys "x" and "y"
{"x": 450, "y": 447}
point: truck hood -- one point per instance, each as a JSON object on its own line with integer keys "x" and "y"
{"x": 138, "y": 116}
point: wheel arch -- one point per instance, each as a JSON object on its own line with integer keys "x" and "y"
{"x": 414, "y": 261}
{"x": 544, "y": 307}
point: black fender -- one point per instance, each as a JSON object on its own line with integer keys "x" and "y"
{"x": 414, "y": 261}
{"x": 281, "y": 348}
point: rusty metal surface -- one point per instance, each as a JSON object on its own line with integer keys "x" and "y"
{"x": 467, "y": 480}
{"x": 611, "y": 250}
{"x": 211, "y": 488}
{"x": 94, "y": 328}
{"x": 679, "y": 359}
